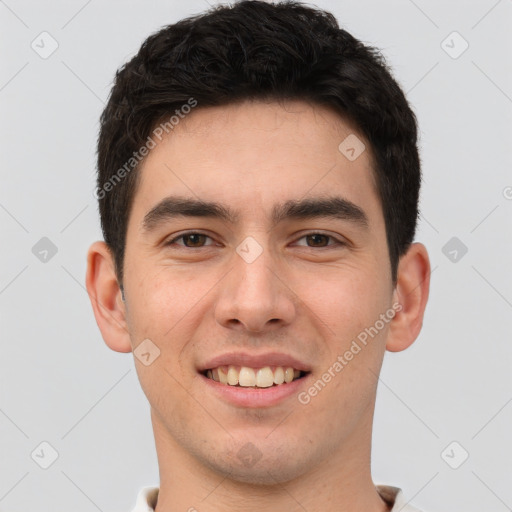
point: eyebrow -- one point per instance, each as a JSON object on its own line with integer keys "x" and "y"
{"x": 321, "y": 207}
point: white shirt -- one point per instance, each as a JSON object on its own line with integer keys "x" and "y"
{"x": 146, "y": 500}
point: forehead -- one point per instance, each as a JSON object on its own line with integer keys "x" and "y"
{"x": 255, "y": 155}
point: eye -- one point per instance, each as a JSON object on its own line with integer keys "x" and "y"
{"x": 191, "y": 240}
{"x": 196, "y": 240}
{"x": 321, "y": 240}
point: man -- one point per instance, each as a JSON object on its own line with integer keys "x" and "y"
{"x": 258, "y": 183}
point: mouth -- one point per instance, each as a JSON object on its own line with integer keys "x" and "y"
{"x": 248, "y": 377}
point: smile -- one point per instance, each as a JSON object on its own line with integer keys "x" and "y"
{"x": 244, "y": 376}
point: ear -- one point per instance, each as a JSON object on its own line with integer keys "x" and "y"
{"x": 106, "y": 299}
{"x": 411, "y": 292}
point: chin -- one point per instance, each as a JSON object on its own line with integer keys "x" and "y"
{"x": 249, "y": 465}
{"x": 264, "y": 474}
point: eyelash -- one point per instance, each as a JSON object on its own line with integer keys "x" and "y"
{"x": 338, "y": 243}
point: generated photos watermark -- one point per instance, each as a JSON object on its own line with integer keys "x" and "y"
{"x": 305, "y": 397}
{"x": 156, "y": 135}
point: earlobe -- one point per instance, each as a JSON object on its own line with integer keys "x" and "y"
{"x": 106, "y": 298}
{"x": 412, "y": 290}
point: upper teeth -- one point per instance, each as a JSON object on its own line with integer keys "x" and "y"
{"x": 259, "y": 377}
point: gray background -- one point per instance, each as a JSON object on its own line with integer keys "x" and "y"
{"x": 60, "y": 384}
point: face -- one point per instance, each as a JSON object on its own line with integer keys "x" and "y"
{"x": 271, "y": 286}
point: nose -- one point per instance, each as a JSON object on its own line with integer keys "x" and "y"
{"x": 255, "y": 296}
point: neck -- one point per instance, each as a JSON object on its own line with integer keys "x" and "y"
{"x": 340, "y": 483}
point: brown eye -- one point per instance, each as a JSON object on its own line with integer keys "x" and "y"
{"x": 191, "y": 240}
{"x": 195, "y": 239}
{"x": 318, "y": 240}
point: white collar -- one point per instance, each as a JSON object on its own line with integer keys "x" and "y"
{"x": 147, "y": 498}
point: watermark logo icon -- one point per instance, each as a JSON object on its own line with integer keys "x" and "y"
{"x": 44, "y": 250}
{"x": 249, "y": 250}
{"x": 44, "y": 455}
{"x": 352, "y": 147}
{"x": 454, "y": 249}
{"x": 147, "y": 352}
{"x": 455, "y": 455}
{"x": 44, "y": 45}
{"x": 249, "y": 455}
{"x": 454, "y": 45}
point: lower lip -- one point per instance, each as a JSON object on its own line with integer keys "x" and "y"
{"x": 255, "y": 397}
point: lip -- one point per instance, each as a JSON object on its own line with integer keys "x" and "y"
{"x": 255, "y": 397}
{"x": 255, "y": 361}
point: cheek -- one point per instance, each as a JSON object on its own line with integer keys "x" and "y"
{"x": 161, "y": 309}
{"x": 167, "y": 307}
{"x": 162, "y": 296}
{"x": 344, "y": 303}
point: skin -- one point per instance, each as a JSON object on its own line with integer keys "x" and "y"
{"x": 301, "y": 296}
